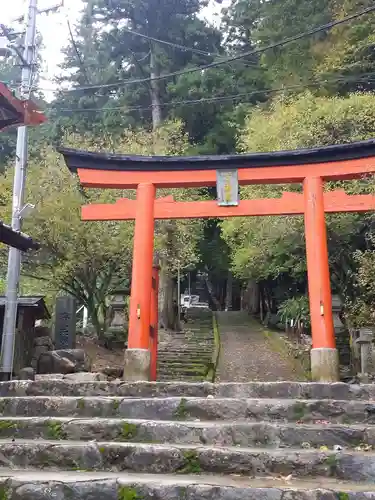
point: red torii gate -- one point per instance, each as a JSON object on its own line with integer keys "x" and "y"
{"x": 311, "y": 167}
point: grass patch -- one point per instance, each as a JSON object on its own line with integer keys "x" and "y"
{"x": 191, "y": 463}
{"x": 278, "y": 345}
{"x": 299, "y": 410}
{"x": 128, "y": 493}
{"x": 7, "y": 424}
{"x": 181, "y": 411}
{"x": 128, "y": 431}
{"x": 212, "y": 366}
{"x": 55, "y": 431}
{"x": 341, "y": 495}
{"x": 332, "y": 464}
{"x": 5, "y": 492}
{"x": 81, "y": 404}
{"x": 2, "y": 407}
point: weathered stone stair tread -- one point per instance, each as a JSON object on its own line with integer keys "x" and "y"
{"x": 284, "y": 390}
{"x": 224, "y": 433}
{"x": 171, "y": 458}
{"x": 193, "y": 345}
{"x": 35, "y": 485}
{"x": 190, "y": 408}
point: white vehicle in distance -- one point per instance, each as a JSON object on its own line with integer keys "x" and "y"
{"x": 188, "y": 301}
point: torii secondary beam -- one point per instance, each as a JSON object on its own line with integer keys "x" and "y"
{"x": 288, "y": 204}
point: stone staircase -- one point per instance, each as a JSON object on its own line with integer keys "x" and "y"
{"x": 187, "y": 355}
{"x": 181, "y": 441}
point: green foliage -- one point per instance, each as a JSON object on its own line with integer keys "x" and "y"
{"x": 128, "y": 493}
{"x": 181, "y": 411}
{"x": 191, "y": 463}
{"x": 296, "y": 309}
{"x": 272, "y": 249}
{"x": 92, "y": 260}
{"x": 128, "y": 431}
{"x": 55, "y": 430}
{"x": 5, "y": 492}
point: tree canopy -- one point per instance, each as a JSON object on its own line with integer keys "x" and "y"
{"x": 128, "y": 66}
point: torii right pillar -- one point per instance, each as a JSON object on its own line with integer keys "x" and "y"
{"x": 324, "y": 356}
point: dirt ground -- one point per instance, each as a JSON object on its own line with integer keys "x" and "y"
{"x": 100, "y": 356}
{"x": 248, "y": 355}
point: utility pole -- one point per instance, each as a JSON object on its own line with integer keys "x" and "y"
{"x": 14, "y": 257}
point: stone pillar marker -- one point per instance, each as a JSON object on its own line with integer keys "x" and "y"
{"x": 365, "y": 340}
{"x": 65, "y": 323}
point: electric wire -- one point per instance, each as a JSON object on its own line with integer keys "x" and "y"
{"x": 364, "y": 78}
{"x": 227, "y": 60}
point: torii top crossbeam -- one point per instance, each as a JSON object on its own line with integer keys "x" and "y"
{"x": 146, "y": 173}
{"x": 15, "y": 112}
{"x": 105, "y": 170}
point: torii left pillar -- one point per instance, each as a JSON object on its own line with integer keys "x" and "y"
{"x": 324, "y": 357}
{"x": 137, "y": 356}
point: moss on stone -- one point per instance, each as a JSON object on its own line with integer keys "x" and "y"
{"x": 2, "y": 406}
{"x": 332, "y": 463}
{"x": 181, "y": 411}
{"x": 128, "y": 431}
{"x": 116, "y": 404}
{"x": 7, "y": 424}
{"x": 81, "y": 404}
{"x": 5, "y": 492}
{"x": 55, "y": 430}
{"x": 128, "y": 493}
{"x": 299, "y": 410}
{"x": 191, "y": 463}
{"x": 341, "y": 495}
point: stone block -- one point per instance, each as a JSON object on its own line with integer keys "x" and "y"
{"x": 85, "y": 377}
{"x": 137, "y": 365}
{"x": 113, "y": 371}
{"x": 44, "y": 341}
{"x": 27, "y": 373}
{"x": 64, "y": 361}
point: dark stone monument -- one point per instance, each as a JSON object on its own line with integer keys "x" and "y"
{"x": 65, "y": 323}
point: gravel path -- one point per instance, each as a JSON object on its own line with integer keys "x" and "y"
{"x": 247, "y": 353}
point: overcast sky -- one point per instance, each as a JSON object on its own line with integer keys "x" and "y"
{"x": 54, "y": 30}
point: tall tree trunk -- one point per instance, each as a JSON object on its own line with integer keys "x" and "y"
{"x": 167, "y": 294}
{"x": 253, "y": 297}
{"x": 229, "y": 292}
{"x": 211, "y": 291}
{"x": 154, "y": 90}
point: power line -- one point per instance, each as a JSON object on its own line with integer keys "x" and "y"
{"x": 357, "y": 78}
{"x": 171, "y": 44}
{"x": 214, "y": 64}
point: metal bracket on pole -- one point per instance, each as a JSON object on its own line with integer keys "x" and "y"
{"x": 26, "y": 210}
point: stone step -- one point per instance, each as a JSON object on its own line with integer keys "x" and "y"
{"x": 284, "y": 390}
{"x": 182, "y": 362}
{"x": 183, "y": 352}
{"x": 182, "y": 370}
{"x": 45, "y": 485}
{"x": 243, "y": 434}
{"x": 172, "y": 458}
{"x": 177, "y": 408}
{"x": 184, "y": 359}
{"x": 181, "y": 377}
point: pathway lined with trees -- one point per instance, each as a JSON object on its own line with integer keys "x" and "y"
{"x": 249, "y": 353}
